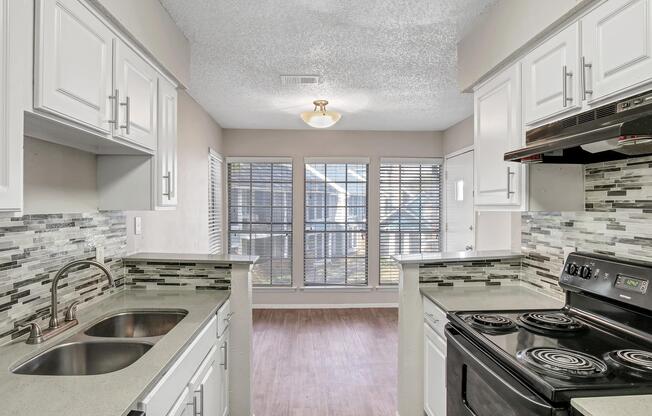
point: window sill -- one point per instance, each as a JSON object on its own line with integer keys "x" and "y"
{"x": 338, "y": 289}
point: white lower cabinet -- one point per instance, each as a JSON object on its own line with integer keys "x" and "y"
{"x": 434, "y": 359}
{"x": 197, "y": 383}
{"x": 434, "y": 365}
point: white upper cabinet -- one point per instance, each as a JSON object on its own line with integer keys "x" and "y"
{"x": 166, "y": 155}
{"x": 14, "y": 63}
{"x": 551, "y": 77}
{"x": 73, "y": 76}
{"x": 616, "y": 47}
{"x": 498, "y": 129}
{"x": 136, "y": 83}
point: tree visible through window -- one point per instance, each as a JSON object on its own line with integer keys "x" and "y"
{"x": 410, "y": 207}
{"x": 260, "y": 217}
{"x": 335, "y": 234}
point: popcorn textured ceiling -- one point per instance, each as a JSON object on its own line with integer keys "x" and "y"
{"x": 386, "y": 64}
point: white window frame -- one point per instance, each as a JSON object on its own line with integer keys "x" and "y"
{"x": 284, "y": 160}
{"x": 406, "y": 161}
{"x": 216, "y": 190}
{"x": 336, "y": 160}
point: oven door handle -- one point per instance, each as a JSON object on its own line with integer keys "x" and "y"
{"x": 535, "y": 407}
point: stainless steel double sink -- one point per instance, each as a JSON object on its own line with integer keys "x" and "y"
{"x": 112, "y": 343}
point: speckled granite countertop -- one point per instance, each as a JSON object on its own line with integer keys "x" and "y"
{"x": 486, "y": 298}
{"x": 437, "y": 258}
{"x": 111, "y": 394}
{"x": 616, "y": 405}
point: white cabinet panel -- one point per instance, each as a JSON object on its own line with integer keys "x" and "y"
{"x": 137, "y": 84}
{"x": 498, "y": 129}
{"x": 73, "y": 63}
{"x": 434, "y": 364}
{"x": 166, "y": 152}
{"x": 550, "y": 76}
{"x": 183, "y": 405}
{"x": 223, "y": 380}
{"x": 617, "y": 47}
{"x": 13, "y": 100}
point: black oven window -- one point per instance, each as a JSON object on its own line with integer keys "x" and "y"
{"x": 483, "y": 400}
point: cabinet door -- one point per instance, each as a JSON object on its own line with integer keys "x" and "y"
{"x": 224, "y": 378}
{"x": 617, "y": 47}
{"x": 183, "y": 405}
{"x": 551, "y": 77}
{"x": 497, "y": 130}
{"x": 136, "y": 82}
{"x": 73, "y": 63}
{"x": 12, "y": 102}
{"x": 434, "y": 366}
{"x": 166, "y": 152}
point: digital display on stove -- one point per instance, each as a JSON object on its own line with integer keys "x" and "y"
{"x": 632, "y": 284}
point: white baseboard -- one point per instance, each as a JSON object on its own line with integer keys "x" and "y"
{"x": 323, "y": 305}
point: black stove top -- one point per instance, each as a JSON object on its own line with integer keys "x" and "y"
{"x": 567, "y": 353}
{"x": 599, "y": 343}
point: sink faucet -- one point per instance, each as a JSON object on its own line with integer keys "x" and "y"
{"x": 36, "y": 335}
{"x": 54, "y": 319}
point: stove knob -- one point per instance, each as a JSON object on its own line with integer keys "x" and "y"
{"x": 585, "y": 272}
{"x": 572, "y": 269}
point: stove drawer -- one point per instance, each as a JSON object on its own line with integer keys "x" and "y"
{"x": 435, "y": 317}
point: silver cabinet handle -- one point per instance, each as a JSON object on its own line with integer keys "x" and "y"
{"x": 225, "y": 354}
{"x": 115, "y": 108}
{"x": 565, "y": 75}
{"x": 127, "y": 105}
{"x": 585, "y": 66}
{"x": 509, "y": 183}
{"x": 195, "y": 406}
{"x": 168, "y": 187}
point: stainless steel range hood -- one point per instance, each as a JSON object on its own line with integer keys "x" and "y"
{"x": 614, "y": 131}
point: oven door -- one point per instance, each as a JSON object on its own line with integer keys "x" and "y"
{"x": 478, "y": 386}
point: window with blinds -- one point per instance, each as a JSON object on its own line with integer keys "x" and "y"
{"x": 260, "y": 217}
{"x": 335, "y": 234}
{"x": 410, "y": 209}
{"x": 215, "y": 187}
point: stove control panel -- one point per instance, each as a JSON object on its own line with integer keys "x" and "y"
{"x": 623, "y": 280}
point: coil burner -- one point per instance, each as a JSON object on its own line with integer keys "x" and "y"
{"x": 491, "y": 324}
{"x": 550, "y": 323}
{"x": 562, "y": 363}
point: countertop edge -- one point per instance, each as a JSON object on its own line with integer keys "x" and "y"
{"x": 191, "y": 257}
{"x": 631, "y": 405}
{"x": 461, "y": 256}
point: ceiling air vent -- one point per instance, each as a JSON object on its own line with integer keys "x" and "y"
{"x": 300, "y": 79}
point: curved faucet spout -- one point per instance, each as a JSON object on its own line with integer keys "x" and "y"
{"x": 54, "y": 319}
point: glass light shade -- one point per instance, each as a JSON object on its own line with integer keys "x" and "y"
{"x": 320, "y": 119}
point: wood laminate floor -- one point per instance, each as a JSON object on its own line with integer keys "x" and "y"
{"x": 325, "y": 362}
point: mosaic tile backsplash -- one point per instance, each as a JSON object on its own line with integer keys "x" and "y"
{"x": 622, "y": 185}
{"x": 34, "y": 247}
{"x": 481, "y": 272}
{"x": 160, "y": 275}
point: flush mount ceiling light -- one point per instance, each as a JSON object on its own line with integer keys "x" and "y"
{"x": 319, "y": 118}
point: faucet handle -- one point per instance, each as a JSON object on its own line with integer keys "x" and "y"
{"x": 35, "y": 332}
{"x": 71, "y": 312}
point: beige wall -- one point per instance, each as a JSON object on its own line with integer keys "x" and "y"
{"x": 503, "y": 30}
{"x": 150, "y": 25}
{"x": 58, "y": 179}
{"x": 299, "y": 144}
{"x": 458, "y": 136}
{"x": 184, "y": 229}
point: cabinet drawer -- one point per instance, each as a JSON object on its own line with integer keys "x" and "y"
{"x": 224, "y": 318}
{"x": 161, "y": 398}
{"x": 434, "y": 316}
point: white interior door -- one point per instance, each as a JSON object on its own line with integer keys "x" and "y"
{"x": 459, "y": 202}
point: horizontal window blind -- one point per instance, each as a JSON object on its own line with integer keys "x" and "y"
{"x": 335, "y": 233}
{"x": 215, "y": 205}
{"x": 410, "y": 211}
{"x": 260, "y": 217}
